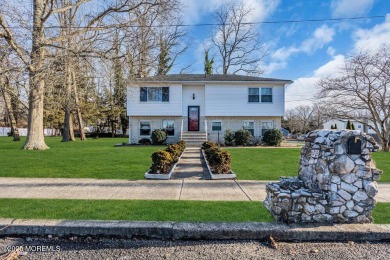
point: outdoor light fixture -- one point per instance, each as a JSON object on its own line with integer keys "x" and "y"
{"x": 193, "y": 96}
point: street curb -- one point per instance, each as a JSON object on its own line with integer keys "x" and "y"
{"x": 194, "y": 231}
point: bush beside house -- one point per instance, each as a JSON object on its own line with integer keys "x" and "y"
{"x": 273, "y": 137}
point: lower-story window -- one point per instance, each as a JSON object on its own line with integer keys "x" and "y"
{"x": 265, "y": 126}
{"x": 144, "y": 128}
{"x": 216, "y": 126}
{"x": 250, "y": 126}
{"x": 169, "y": 127}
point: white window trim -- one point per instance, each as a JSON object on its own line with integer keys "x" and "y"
{"x": 147, "y": 95}
{"x": 216, "y": 121}
{"x": 150, "y": 124}
{"x": 249, "y": 121}
{"x": 272, "y": 95}
{"x": 266, "y": 121}
{"x": 162, "y": 125}
{"x": 259, "y": 102}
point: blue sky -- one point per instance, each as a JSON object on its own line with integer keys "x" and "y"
{"x": 303, "y": 52}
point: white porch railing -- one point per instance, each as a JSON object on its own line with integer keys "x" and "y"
{"x": 181, "y": 129}
{"x": 205, "y": 128}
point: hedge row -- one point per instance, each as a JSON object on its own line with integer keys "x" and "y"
{"x": 218, "y": 160}
{"x": 163, "y": 160}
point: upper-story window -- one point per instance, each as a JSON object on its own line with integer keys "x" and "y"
{"x": 257, "y": 95}
{"x": 266, "y": 95}
{"x": 154, "y": 94}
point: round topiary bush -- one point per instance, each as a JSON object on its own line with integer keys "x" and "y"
{"x": 273, "y": 137}
{"x": 242, "y": 137}
{"x": 158, "y": 137}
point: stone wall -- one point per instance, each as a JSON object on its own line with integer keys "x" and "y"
{"x": 336, "y": 181}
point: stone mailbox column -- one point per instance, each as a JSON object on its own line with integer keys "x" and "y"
{"x": 336, "y": 181}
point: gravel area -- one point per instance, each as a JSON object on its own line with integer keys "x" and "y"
{"x": 88, "y": 248}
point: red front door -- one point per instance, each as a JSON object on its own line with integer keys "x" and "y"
{"x": 193, "y": 118}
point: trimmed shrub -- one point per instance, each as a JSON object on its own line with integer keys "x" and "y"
{"x": 162, "y": 162}
{"x": 206, "y": 145}
{"x": 218, "y": 160}
{"x": 158, "y": 137}
{"x": 242, "y": 137}
{"x": 182, "y": 144}
{"x": 229, "y": 137}
{"x": 145, "y": 141}
{"x": 273, "y": 137}
{"x": 175, "y": 151}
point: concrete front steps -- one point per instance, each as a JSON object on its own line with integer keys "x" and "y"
{"x": 194, "y": 139}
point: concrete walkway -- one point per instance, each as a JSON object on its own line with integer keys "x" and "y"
{"x": 183, "y": 189}
{"x": 191, "y": 166}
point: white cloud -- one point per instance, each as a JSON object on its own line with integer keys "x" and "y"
{"x": 331, "y": 51}
{"x": 303, "y": 90}
{"x": 371, "y": 39}
{"x": 321, "y": 36}
{"x": 347, "y": 8}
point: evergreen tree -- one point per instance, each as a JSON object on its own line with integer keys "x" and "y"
{"x": 335, "y": 126}
{"x": 208, "y": 64}
{"x": 349, "y": 125}
{"x": 352, "y": 126}
{"x": 331, "y": 126}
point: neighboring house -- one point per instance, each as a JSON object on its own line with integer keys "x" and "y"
{"x": 342, "y": 124}
{"x": 195, "y": 107}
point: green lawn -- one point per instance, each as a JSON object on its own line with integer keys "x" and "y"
{"x": 98, "y": 158}
{"x": 149, "y": 210}
{"x": 264, "y": 163}
{"x": 94, "y": 158}
{"x": 141, "y": 210}
{"x": 271, "y": 163}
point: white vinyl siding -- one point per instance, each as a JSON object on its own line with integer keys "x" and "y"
{"x": 137, "y": 108}
{"x": 232, "y": 100}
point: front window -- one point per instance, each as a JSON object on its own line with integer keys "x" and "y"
{"x": 253, "y": 95}
{"x": 144, "y": 128}
{"x": 266, "y": 95}
{"x": 250, "y": 126}
{"x": 216, "y": 126}
{"x": 154, "y": 94}
{"x": 169, "y": 127}
{"x": 265, "y": 126}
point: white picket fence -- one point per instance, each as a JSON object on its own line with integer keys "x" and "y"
{"x": 23, "y": 131}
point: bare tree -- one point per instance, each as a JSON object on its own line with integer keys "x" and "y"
{"x": 34, "y": 57}
{"x": 361, "y": 91}
{"x": 237, "y": 41}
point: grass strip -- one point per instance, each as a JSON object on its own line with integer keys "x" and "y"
{"x": 135, "y": 210}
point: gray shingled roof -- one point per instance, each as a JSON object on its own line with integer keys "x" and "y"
{"x": 202, "y": 78}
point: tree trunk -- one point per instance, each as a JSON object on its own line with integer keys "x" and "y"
{"x": 9, "y": 109}
{"x": 68, "y": 88}
{"x": 78, "y": 112}
{"x": 71, "y": 128}
{"x": 35, "y": 137}
{"x": 385, "y": 144}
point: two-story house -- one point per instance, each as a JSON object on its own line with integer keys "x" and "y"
{"x": 196, "y": 107}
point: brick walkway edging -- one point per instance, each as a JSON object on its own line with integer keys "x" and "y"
{"x": 194, "y": 231}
